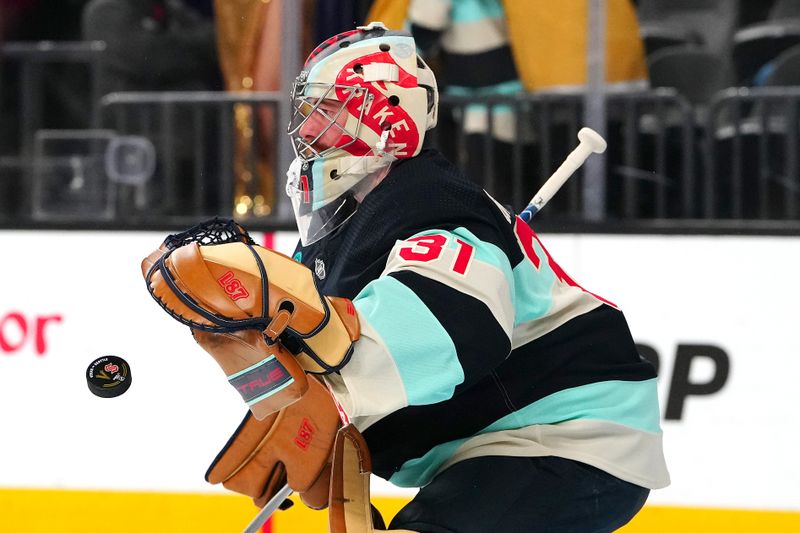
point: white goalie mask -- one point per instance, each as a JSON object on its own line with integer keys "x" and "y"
{"x": 363, "y": 100}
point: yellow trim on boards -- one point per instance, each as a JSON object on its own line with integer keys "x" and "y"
{"x": 76, "y": 511}
{"x": 654, "y": 519}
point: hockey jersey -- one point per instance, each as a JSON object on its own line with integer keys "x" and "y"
{"x": 475, "y": 342}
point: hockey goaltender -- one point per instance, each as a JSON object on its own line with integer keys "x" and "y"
{"x": 421, "y": 332}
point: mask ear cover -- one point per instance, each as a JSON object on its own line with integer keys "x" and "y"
{"x": 426, "y": 79}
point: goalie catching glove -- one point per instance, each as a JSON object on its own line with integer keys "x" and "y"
{"x": 257, "y": 312}
{"x": 292, "y": 446}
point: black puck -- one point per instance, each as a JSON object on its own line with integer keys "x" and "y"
{"x": 108, "y": 376}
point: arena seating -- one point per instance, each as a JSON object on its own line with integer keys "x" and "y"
{"x": 705, "y": 142}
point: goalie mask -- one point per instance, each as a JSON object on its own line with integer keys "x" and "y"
{"x": 363, "y": 100}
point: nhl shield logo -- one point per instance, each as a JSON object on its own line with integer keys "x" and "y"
{"x": 319, "y": 268}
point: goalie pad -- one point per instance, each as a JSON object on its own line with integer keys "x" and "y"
{"x": 291, "y": 446}
{"x": 351, "y": 510}
{"x": 215, "y": 279}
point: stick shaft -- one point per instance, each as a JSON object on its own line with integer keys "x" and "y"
{"x": 271, "y": 506}
{"x": 572, "y": 163}
{"x": 576, "y": 158}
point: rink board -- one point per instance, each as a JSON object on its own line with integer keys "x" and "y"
{"x": 68, "y": 297}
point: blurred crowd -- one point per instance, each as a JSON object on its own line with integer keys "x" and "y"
{"x": 479, "y": 48}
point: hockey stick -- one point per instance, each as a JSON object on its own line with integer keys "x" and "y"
{"x": 591, "y": 142}
{"x": 271, "y": 506}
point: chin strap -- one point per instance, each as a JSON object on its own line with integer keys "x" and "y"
{"x": 362, "y": 166}
{"x": 380, "y": 146}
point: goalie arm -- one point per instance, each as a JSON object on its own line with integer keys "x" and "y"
{"x": 439, "y": 318}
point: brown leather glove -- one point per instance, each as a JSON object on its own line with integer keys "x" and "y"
{"x": 216, "y": 280}
{"x": 233, "y": 286}
{"x": 291, "y": 446}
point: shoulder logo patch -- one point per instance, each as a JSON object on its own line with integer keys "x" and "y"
{"x": 319, "y": 268}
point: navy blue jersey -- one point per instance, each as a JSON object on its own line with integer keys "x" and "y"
{"x": 475, "y": 342}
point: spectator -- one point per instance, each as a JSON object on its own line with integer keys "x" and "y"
{"x": 549, "y": 42}
{"x": 550, "y": 46}
{"x": 508, "y": 47}
{"x": 153, "y": 45}
{"x": 161, "y": 45}
{"x": 710, "y": 24}
{"x": 65, "y": 86}
{"x": 335, "y": 16}
{"x": 471, "y": 39}
{"x": 391, "y": 12}
{"x": 62, "y": 96}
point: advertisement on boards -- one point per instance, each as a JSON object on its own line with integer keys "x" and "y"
{"x": 715, "y": 314}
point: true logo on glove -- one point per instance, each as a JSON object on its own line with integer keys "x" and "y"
{"x": 259, "y": 383}
{"x": 233, "y": 287}
{"x": 261, "y": 380}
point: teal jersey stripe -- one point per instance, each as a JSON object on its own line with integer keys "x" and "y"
{"x": 629, "y": 403}
{"x": 419, "y": 472}
{"x": 473, "y": 10}
{"x": 405, "y": 323}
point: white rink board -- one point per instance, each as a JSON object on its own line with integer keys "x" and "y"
{"x": 735, "y": 448}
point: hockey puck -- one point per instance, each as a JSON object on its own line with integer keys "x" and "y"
{"x": 108, "y": 376}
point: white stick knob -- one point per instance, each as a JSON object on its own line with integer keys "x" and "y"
{"x": 590, "y": 143}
